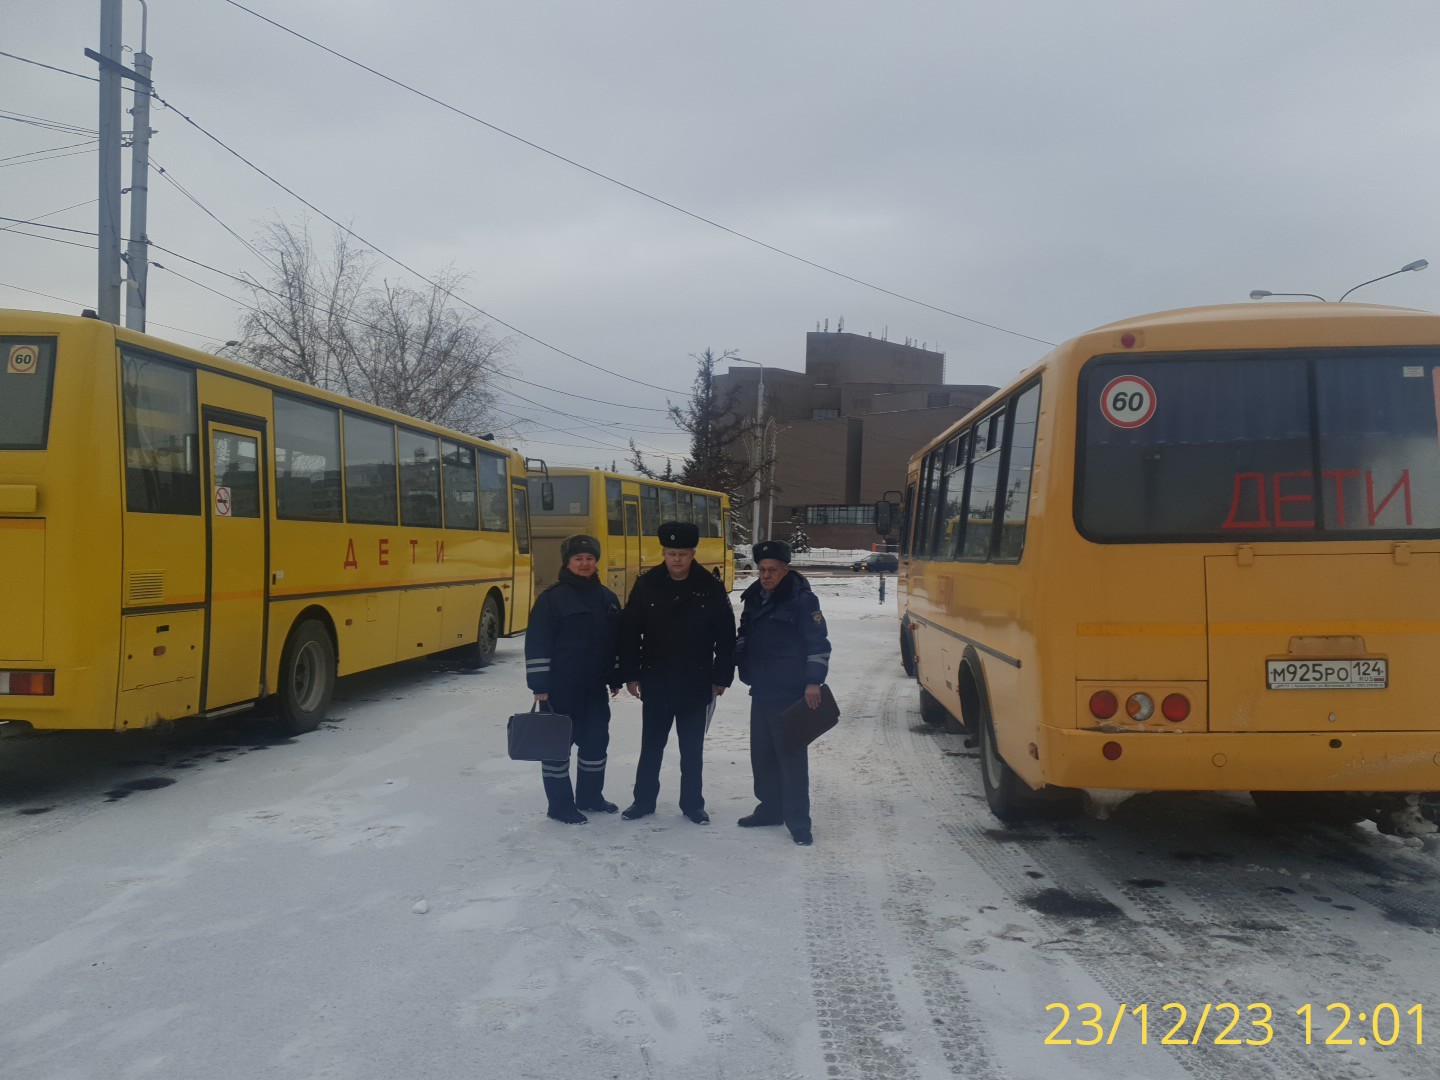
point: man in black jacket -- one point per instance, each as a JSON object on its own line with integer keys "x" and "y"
{"x": 570, "y": 658}
{"x": 677, "y": 644}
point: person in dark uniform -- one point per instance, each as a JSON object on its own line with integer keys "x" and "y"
{"x": 677, "y": 646}
{"x": 784, "y": 655}
{"x": 570, "y": 658}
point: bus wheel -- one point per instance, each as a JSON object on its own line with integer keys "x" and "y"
{"x": 484, "y": 654}
{"x": 1004, "y": 790}
{"x": 1310, "y": 807}
{"x": 307, "y": 677}
{"x": 931, "y": 711}
{"x": 907, "y": 652}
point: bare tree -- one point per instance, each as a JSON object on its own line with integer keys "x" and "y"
{"x": 414, "y": 350}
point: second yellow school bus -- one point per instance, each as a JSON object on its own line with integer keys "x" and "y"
{"x": 623, "y": 512}
{"x": 1197, "y": 550}
{"x": 183, "y": 535}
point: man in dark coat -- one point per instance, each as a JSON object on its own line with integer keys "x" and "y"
{"x": 784, "y": 655}
{"x": 570, "y": 658}
{"x": 677, "y": 644}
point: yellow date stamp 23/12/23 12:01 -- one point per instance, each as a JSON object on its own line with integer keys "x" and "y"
{"x": 1226, "y": 1023}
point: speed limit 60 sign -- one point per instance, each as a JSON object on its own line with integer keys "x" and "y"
{"x": 1128, "y": 401}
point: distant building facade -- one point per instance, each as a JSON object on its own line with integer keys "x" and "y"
{"x": 843, "y": 429}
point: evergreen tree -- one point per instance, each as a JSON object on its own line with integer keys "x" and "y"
{"x": 721, "y": 454}
{"x": 800, "y": 541}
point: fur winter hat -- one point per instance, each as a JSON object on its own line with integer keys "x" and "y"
{"x": 679, "y": 534}
{"x": 772, "y": 549}
{"x": 579, "y": 544}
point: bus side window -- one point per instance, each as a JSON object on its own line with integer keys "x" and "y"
{"x": 162, "y": 467}
{"x": 419, "y": 479}
{"x": 1021, "y": 459}
{"x": 307, "y": 460}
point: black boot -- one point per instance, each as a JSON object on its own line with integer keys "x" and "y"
{"x": 568, "y": 815}
{"x": 635, "y": 810}
{"x": 600, "y": 806}
{"x": 559, "y": 793}
{"x": 755, "y": 821}
{"x": 699, "y": 817}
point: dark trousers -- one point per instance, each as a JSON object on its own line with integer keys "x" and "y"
{"x": 782, "y": 775}
{"x": 659, "y": 709}
{"x": 589, "y": 714}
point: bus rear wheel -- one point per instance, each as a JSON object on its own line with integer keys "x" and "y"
{"x": 907, "y": 650}
{"x": 1310, "y": 807}
{"x": 307, "y": 677}
{"x": 1009, "y": 797}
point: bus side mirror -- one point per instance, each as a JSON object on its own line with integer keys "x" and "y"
{"x": 884, "y": 517}
{"x": 547, "y": 496}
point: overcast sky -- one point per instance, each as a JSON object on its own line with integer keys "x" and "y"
{"x": 1045, "y": 167}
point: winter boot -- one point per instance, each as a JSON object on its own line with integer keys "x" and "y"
{"x": 589, "y": 783}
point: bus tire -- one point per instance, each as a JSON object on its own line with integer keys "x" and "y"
{"x": 1310, "y": 807}
{"x": 307, "y": 677}
{"x": 931, "y": 711}
{"x": 907, "y": 651}
{"x": 488, "y": 636}
{"x": 1005, "y": 792}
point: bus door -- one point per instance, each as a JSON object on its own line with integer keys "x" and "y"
{"x": 632, "y": 544}
{"x": 524, "y": 569}
{"x": 237, "y": 563}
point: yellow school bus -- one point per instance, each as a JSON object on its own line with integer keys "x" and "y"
{"x": 623, "y": 512}
{"x": 1196, "y": 550}
{"x": 183, "y": 535}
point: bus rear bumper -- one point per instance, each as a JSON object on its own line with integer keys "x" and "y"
{"x": 1280, "y": 761}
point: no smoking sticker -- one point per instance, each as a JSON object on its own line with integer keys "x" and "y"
{"x": 222, "y": 502}
{"x": 1128, "y": 401}
{"x": 24, "y": 359}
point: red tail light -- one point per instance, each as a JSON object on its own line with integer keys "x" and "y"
{"x": 1176, "y": 707}
{"x": 31, "y": 683}
{"x": 1103, "y": 705}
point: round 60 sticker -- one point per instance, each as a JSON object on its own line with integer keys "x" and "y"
{"x": 1128, "y": 401}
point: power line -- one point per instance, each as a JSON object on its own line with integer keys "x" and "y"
{"x": 47, "y": 150}
{"x": 398, "y": 262}
{"x": 52, "y": 213}
{"x": 52, "y": 157}
{"x": 630, "y": 187}
{"x": 50, "y": 67}
{"x": 52, "y": 125}
{"x": 73, "y": 303}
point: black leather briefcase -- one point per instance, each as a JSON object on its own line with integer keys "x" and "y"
{"x": 539, "y": 736}
{"x": 803, "y": 725}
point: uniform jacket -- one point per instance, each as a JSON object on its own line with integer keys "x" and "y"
{"x": 571, "y": 645}
{"x": 783, "y": 646}
{"x": 678, "y": 632}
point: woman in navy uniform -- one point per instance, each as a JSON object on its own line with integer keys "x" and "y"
{"x": 570, "y": 658}
{"x": 784, "y": 655}
{"x": 677, "y": 644}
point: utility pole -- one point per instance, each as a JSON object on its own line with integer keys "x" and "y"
{"x": 137, "y": 255}
{"x": 108, "y": 279}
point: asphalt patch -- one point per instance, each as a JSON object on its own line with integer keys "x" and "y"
{"x": 1063, "y": 905}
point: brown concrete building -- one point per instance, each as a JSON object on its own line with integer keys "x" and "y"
{"x": 843, "y": 429}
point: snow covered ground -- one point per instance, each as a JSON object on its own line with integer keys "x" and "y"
{"x": 385, "y": 899}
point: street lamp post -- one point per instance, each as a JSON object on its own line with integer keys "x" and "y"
{"x": 760, "y": 447}
{"x": 1418, "y": 264}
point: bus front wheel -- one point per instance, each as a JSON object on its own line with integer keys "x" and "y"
{"x": 307, "y": 677}
{"x": 489, "y": 638}
{"x": 931, "y": 711}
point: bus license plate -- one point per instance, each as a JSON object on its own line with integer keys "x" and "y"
{"x": 1327, "y": 674}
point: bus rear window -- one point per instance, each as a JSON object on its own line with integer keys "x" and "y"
{"x": 572, "y": 497}
{"x": 27, "y": 377}
{"x": 1292, "y": 445}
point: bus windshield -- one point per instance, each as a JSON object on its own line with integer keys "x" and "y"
{"x": 27, "y": 372}
{"x": 1293, "y": 445}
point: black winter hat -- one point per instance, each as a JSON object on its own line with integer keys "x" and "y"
{"x": 579, "y": 544}
{"x": 678, "y": 534}
{"x": 771, "y": 549}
